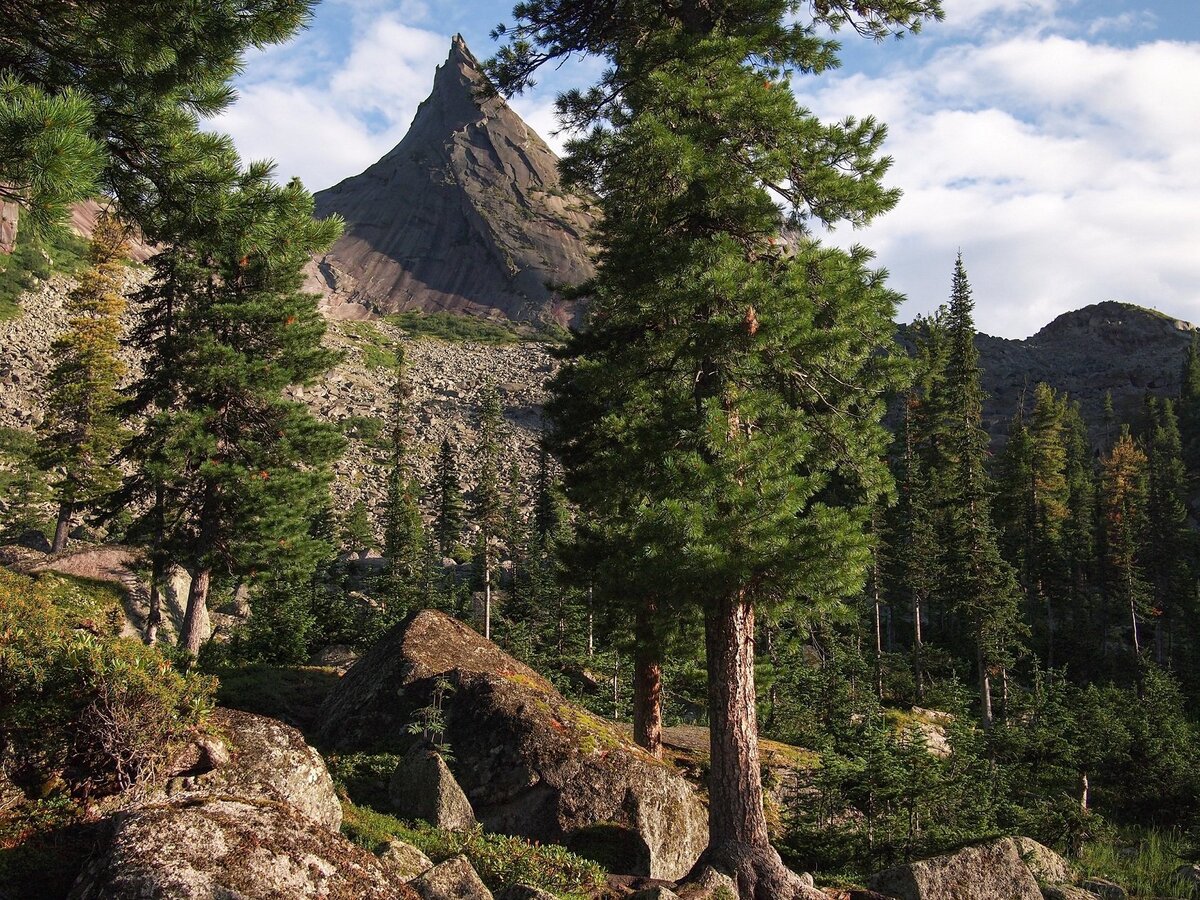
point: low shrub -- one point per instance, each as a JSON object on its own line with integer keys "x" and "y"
{"x": 79, "y": 705}
{"x": 500, "y": 860}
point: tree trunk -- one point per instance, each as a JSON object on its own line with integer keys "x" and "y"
{"x": 738, "y": 841}
{"x": 154, "y": 614}
{"x": 1050, "y": 626}
{"x": 487, "y": 594}
{"x": 985, "y": 693}
{"x": 878, "y": 646}
{"x": 195, "y": 619}
{"x": 647, "y": 684}
{"x": 918, "y": 669}
{"x": 62, "y": 529}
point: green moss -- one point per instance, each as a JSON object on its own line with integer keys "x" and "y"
{"x": 500, "y": 860}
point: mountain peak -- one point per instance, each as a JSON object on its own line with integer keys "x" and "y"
{"x": 466, "y": 213}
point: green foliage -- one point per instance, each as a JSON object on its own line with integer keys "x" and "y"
{"x": 102, "y": 713}
{"x": 371, "y": 430}
{"x": 355, "y": 531}
{"x": 377, "y": 349}
{"x": 1143, "y": 860}
{"x": 460, "y": 329}
{"x": 291, "y": 693}
{"x": 35, "y": 257}
{"x": 501, "y": 861}
{"x": 23, "y": 487}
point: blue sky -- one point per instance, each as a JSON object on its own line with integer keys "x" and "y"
{"x": 1055, "y": 142}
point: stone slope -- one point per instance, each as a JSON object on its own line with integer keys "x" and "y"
{"x": 466, "y": 213}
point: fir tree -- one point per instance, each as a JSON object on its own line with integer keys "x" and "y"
{"x": 488, "y": 508}
{"x": 720, "y": 416}
{"x": 82, "y": 431}
{"x": 448, "y": 520}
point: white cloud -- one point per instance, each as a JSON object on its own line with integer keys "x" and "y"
{"x": 1068, "y": 172}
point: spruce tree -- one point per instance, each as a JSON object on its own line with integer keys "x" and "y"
{"x": 981, "y": 581}
{"x": 404, "y": 531}
{"x": 1189, "y": 405}
{"x": 82, "y": 431}
{"x": 488, "y": 507}
{"x": 1170, "y": 544}
{"x": 448, "y": 518}
{"x": 720, "y": 417}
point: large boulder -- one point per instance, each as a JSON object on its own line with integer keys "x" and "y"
{"x": 207, "y": 848}
{"x": 1066, "y": 892}
{"x": 403, "y": 862}
{"x": 530, "y": 762}
{"x": 423, "y": 787}
{"x": 455, "y": 879}
{"x": 991, "y": 871}
{"x": 256, "y": 757}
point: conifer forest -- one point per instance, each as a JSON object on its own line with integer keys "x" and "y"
{"x": 500, "y": 525}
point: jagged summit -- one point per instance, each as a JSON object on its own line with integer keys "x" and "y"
{"x": 466, "y": 213}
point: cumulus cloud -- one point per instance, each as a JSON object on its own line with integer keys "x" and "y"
{"x": 1066, "y": 171}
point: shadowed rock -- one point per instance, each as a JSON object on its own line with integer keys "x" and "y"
{"x": 530, "y": 762}
{"x": 991, "y": 871}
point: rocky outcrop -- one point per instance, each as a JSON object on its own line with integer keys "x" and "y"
{"x": 530, "y": 762}
{"x": 265, "y": 759}
{"x": 455, "y": 879}
{"x": 423, "y": 787}
{"x": 212, "y": 847}
{"x": 1104, "y": 889}
{"x": 991, "y": 871}
{"x": 467, "y": 213}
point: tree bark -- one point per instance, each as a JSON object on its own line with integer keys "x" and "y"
{"x": 62, "y": 528}
{"x": 918, "y": 668}
{"x": 738, "y": 841}
{"x": 985, "y": 693}
{"x": 647, "y": 683}
{"x": 195, "y": 619}
{"x": 154, "y": 614}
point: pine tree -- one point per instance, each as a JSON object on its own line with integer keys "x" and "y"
{"x": 82, "y": 432}
{"x": 720, "y": 415}
{"x": 983, "y": 584}
{"x": 101, "y": 95}
{"x": 240, "y": 466}
{"x": 448, "y": 519}
{"x": 1079, "y": 529}
{"x": 1189, "y": 405}
{"x": 404, "y": 531}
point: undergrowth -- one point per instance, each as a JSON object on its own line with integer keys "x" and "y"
{"x": 1142, "y": 860}
{"x": 500, "y": 860}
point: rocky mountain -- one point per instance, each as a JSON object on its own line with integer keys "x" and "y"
{"x": 467, "y": 213}
{"x": 1106, "y": 347}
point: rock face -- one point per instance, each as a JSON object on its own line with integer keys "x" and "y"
{"x": 268, "y": 760}
{"x": 423, "y": 787}
{"x": 991, "y": 871}
{"x": 1104, "y": 347}
{"x": 214, "y": 847}
{"x": 530, "y": 762}
{"x": 403, "y": 862}
{"x": 467, "y": 213}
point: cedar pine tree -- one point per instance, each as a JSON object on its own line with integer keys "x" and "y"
{"x": 241, "y": 468}
{"x": 721, "y": 415}
{"x": 404, "y": 531}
